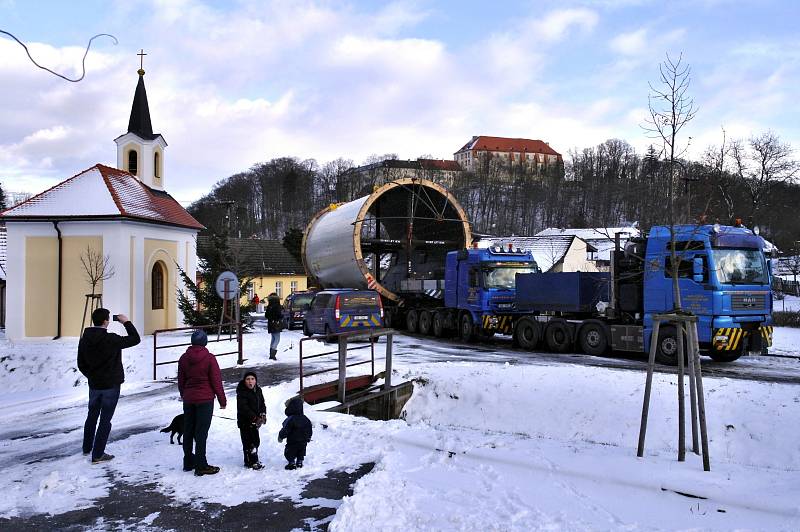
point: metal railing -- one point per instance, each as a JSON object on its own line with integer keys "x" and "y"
{"x": 237, "y": 326}
{"x": 372, "y": 335}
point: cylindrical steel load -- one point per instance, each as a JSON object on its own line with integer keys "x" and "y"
{"x": 394, "y": 241}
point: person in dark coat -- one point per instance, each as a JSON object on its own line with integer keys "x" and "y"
{"x": 297, "y": 432}
{"x": 274, "y": 315}
{"x": 100, "y": 361}
{"x": 199, "y": 381}
{"x": 251, "y": 413}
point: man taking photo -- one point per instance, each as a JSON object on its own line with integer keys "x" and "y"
{"x": 100, "y": 361}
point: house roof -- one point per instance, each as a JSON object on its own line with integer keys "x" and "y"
{"x": 602, "y": 238}
{"x": 439, "y": 164}
{"x": 256, "y": 256}
{"x": 546, "y": 250}
{"x": 504, "y": 144}
{"x": 102, "y": 192}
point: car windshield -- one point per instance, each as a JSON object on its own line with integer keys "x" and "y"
{"x": 300, "y": 301}
{"x": 504, "y": 277}
{"x": 740, "y": 266}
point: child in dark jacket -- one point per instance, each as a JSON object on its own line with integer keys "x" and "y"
{"x": 297, "y": 433}
{"x": 251, "y": 413}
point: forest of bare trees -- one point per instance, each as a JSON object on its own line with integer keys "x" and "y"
{"x": 605, "y": 185}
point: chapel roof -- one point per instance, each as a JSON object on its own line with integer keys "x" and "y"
{"x": 102, "y": 192}
{"x": 139, "y": 122}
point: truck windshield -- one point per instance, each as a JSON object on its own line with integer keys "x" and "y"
{"x": 504, "y": 277}
{"x": 740, "y": 266}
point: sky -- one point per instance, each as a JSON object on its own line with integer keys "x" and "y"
{"x": 234, "y": 83}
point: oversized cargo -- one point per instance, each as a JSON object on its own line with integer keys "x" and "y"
{"x": 394, "y": 240}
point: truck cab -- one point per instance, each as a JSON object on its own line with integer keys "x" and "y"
{"x": 724, "y": 279}
{"x": 480, "y": 286}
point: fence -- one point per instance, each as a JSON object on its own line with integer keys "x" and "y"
{"x": 791, "y": 288}
{"x": 220, "y": 338}
{"x": 372, "y": 336}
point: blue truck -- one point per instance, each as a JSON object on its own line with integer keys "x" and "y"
{"x": 724, "y": 279}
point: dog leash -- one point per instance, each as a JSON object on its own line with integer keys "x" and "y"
{"x": 223, "y": 417}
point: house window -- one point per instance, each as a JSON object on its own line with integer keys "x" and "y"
{"x": 157, "y": 286}
{"x": 133, "y": 160}
{"x": 293, "y": 286}
{"x": 279, "y": 288}
{"x": 156, "y": 163}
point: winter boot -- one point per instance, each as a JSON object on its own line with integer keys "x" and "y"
{"x": 258, "y": 466}
{"x": 272, "y": 354}
{"x": 299, "y": 464}
{"x": 290, "y": 466}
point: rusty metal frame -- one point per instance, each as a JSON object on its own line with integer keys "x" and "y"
{"x": 238, "y": 352}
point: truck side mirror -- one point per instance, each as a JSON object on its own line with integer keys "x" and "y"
{"x": 697, "y": 269}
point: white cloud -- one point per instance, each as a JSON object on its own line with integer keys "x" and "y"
{"x": 556, "y": 24}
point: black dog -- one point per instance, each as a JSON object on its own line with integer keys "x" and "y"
{"x": 176, "y": 427}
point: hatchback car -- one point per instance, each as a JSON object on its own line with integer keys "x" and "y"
{"x": 295, "y": 308}
{"x": 337, "y": 311}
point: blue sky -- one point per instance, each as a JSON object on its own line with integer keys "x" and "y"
{"x": 231, "y": 84}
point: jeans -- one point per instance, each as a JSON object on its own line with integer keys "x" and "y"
{"x": 273, "y": 342}
{"x": 102, "y": 404}
{"x": 196, "y": 422}
{"x": 250, "y": 443}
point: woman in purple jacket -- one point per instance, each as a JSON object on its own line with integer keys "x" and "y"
{"x": 199, "y": 381}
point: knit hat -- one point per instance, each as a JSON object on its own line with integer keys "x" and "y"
{"x": 250, "y": 373}
{"x": 199, "y": 337}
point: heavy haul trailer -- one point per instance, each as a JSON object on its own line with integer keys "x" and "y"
{"x": 724, "y": 279}
{"x": 410, "y": 241}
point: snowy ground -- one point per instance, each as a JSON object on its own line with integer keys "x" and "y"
{"x": 492, "y": 440}
{"x": 788, "y": 303}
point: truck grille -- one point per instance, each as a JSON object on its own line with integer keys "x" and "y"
{"x": 748, "y": 301}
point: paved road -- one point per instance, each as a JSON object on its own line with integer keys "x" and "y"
{"x": 499, "y": 350}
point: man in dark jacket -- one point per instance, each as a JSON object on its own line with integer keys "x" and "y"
{"x": 296, "y": 431}
{"x": 100, "y": 361}
{"x": 199, "y": 381}
{"x": 251, "y": 413}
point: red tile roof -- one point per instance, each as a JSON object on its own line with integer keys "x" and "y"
{"x": 439, "y": 164}
{"x": 503, "y": 144}
{"x": 137, "y": 200}
{"x": 132, "y": 198}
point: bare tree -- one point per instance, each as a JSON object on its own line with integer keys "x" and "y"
{"x": 671, "y": 108}
{"x": 760, "y": 164}
{"x": 716, "y": 159}
{"x": 96, "y": 267}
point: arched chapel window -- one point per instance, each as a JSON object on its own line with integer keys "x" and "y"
{"x": 157, "y": 286}
{"x": 133, "y": 160}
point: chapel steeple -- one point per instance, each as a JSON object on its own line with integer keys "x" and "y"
{"x": 140, "y": 151}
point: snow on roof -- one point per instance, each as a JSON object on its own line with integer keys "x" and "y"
{"x": 547, "y": 251}
{"x": 82, "y": 195}
{"x": 602, "y": 238}
{"x": 102, "y": 191}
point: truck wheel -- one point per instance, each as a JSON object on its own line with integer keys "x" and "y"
{"x": 557, "y": 337}
{"x": 527, "y": 334}
{"x": 467, "y": 328}
{"x": 593, "y": 339}
{"x": 412, "y": 321}
{"x": 438, "y": 325}
{"x": 425, "y": 322}
{"x": 667, "y": 348}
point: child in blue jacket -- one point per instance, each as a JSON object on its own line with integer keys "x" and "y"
{"x": 296, "y": 431}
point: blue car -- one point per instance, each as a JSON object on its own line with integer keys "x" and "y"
{"x": 336, "y": 311}
{"x": 295, "y": 307}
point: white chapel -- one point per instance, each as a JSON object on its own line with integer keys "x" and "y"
{"x": 122, "y": 213}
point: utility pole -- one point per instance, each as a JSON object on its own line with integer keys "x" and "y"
{"x": 228, "y": 217}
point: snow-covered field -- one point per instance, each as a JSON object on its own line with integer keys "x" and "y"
{"x": 483, "y": 446}
{"x": 788, "y": 303}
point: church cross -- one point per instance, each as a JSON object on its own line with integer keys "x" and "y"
{"x": 141, "y": 55}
